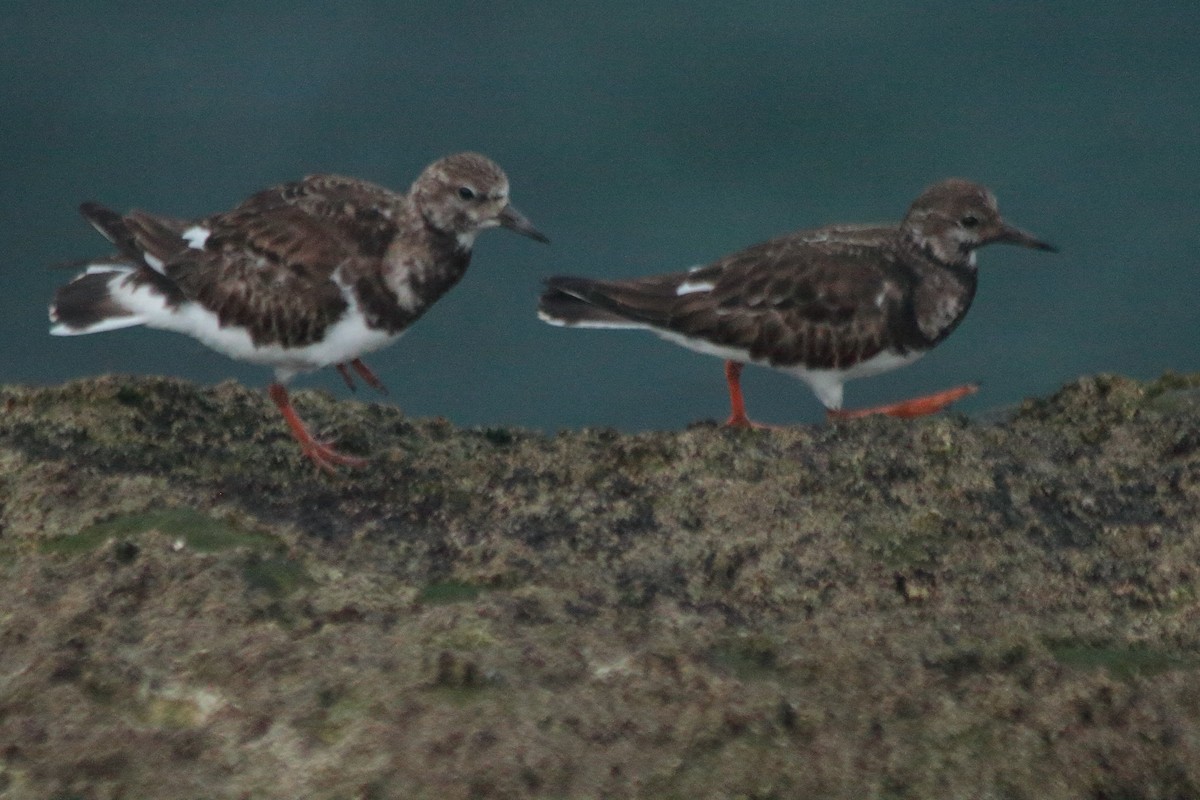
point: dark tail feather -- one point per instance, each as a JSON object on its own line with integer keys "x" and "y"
{"x": 86, "y": 305}
{"x": 158, "y": 237}
{"x": 83, "y": 263}
{"x": 565, "y": 303}
{"x": 111, "y": 226}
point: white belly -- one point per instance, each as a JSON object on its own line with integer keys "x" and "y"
{"x": 826, "y": 384}
{"x": 345, "y": 340}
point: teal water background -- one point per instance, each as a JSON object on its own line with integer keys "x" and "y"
{"x": 641, "y": 137}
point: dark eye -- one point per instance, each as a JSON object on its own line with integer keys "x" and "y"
{"x": 466, "y": 193}
{"x": 969, "y": 221}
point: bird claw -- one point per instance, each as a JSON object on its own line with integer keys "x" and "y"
{"x": 742, "y": 421}
{"x": 322, "y": 454}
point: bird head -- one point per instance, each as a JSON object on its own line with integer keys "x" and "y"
{"x": 466, "y": 193}
{"x": 952, "y": 218}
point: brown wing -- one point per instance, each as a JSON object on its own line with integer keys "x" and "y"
{"x": 363, "y": 214}
{"x": 810, "y": 298}
{"x": 268, "y": 265}
{"x": 812, "y": 303}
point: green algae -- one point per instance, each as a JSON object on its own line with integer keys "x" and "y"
{"x": 1124, "y": 663}
{"x": 749, "y": 657}
{"x": 467, "y": 696}
{"x": 278, "y": 576}
{"x": 263, "y": 569}
{"x": 197, "y": 531}
{"x": 445, "y": 592}
{"x": 337, "y": 712}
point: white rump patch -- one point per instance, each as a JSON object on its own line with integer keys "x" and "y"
{"x": 196, "y": 236}
{"x": 688, "y": 287}
{"x": 94, "y": 269}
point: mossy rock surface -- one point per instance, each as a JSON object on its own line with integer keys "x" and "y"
{"x": 879, "y": 609}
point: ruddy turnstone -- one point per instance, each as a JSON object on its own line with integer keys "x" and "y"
{"x": 824, "y": 305}
{"x": 299, "y": 276}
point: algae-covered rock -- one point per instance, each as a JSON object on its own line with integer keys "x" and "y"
{"x": 880, "y": 608}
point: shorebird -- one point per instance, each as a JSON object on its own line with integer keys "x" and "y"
{"x": 300, "y": 276}
{"x": 824, "y": 305}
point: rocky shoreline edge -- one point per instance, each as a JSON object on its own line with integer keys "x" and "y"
{"x": 936, "y": 608}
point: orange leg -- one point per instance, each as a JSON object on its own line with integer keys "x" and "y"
{"x": 364, "y": 372}
{"x": 737, "y": 404}
{"x": 907, "y": 409}
{"x": 321, "y": 453}
{"x": 367, "y": 375}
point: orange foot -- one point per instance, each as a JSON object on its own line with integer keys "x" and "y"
{"x": 320, "y": 453}
{"x": 743, "y": 421}
{"x": 907, "y": 409}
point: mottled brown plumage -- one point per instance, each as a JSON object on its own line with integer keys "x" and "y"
{"x": 826, "y": 304}
{"x": 299, "y": 276}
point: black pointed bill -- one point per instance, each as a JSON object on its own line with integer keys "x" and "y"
{"x": 1012, "y": 235}
{"x": 515, "y": 221}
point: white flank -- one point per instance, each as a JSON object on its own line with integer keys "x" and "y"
{"x": 826, "y": 384}
{"x": 110, "y": 324}
{"x": 598, "y": 324}
{"x": 196, "y": 236}
{"x": 345, "y": 340}
{"x": 154, "y": 261}
{"x": 687, "y": 287}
